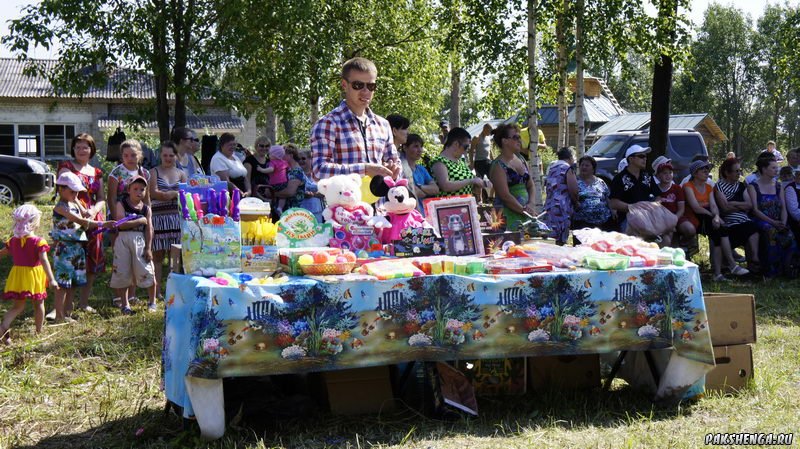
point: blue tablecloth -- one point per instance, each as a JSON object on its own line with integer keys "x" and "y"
{"x": 306, "y": 324}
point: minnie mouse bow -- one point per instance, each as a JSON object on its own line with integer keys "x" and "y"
{"x": 392, "y": 183}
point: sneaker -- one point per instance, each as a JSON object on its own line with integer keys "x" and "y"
{"x": 127, "y": 311}
{"x": 152, "y": 308}
{"x": 87, "y": 309}
{"x": 66, "y": 320}
{"x": 133, "y": 301}
{"x": 739, "y": 271}
{"x": 51, "y": 316}
{"x": 117, "y": 302}
{"x": 719, "y": 278}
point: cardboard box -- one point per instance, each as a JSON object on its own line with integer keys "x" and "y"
{"x": 564, "y": 371}
{"x": 731, "y": 318}
{"x": 495, "y": 377}
{"x": 360, "y": 390}
{"x": 734, "y": 368}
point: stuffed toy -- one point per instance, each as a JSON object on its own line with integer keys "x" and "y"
{"x": 352, "y": 219}
{"x": 400, "y": 205}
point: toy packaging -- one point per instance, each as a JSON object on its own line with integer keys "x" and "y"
{"x": 415, "y": 242}
{"x": 298, "y": 228}
{"x": 259, "y": 252}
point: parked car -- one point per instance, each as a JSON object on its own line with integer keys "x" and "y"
{"x": 23, "y": 179}
{"x": 683, "y": 145}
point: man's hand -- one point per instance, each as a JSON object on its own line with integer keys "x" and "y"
{"x": 377, "y": 170}
{"x": 395, "y": 167}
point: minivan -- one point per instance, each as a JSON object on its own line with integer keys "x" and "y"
{"x": 683, "y": 145}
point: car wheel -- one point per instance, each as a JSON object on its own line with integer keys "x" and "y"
{"x": 8, "y": 193}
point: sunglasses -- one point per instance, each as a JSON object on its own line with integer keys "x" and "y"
{"x": 263, "y": 146}
{"x": 193, "y": 139}
{"x": 640, "y": 156}
{"x": 358, "y": 85}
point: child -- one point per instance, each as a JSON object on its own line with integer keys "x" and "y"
{"x": 70, "y": 220}
{"x": 673, "y": 198}
{"x": 133, "y": 256}
{"x": 31, "y": 273}
{"x": 277, "y": 169}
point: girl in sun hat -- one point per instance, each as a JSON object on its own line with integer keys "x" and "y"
{"x": 70, "y": 222}
{"x": 31, "y": 273}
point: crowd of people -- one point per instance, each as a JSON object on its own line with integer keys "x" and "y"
{"x": 139, "y": 206}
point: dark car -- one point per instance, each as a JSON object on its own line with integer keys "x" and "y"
{"x": 23, "y": 179}
{"x": 684, "y": 144}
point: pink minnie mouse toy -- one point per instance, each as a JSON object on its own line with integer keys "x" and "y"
{"x": 401, "y": 207}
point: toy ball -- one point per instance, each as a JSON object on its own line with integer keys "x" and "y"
{"x": 341, "y": 259}
{"x": 349, "y": 257}
{"x": 320, "y": 257}
{"x": 305, "y": 259}
{"x": 363, "y": 254}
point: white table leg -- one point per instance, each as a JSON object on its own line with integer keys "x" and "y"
{"x": 208, "y": 402}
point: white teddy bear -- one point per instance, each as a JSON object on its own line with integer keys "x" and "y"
{"x": 352, "y": 219}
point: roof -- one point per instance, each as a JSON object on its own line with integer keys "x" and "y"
{"x": 476, "y": 129}
{"x": 14, "y": 83}
{"x": 216, "y": 122}
{"x": 595, "y": 110}
{"x": 641, "y": 121}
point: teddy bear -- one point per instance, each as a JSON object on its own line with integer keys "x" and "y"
{"x": 352, "y": 219}
{"x": 400, "y": 205}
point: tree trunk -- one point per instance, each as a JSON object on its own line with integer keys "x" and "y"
{"x": 288, "y": 128}
{"x": 271, "y": 128}
{"x": 455, "y": 92}
{"x": 314, "y": 112}
{"x": 563, "y": 112}
{"x": 533, "y": 120}
{"x": 181, "y": 34}
{"x": 160, "y": 76}
{"x": 662, "y": 86}
{"x": 580, "y": 124}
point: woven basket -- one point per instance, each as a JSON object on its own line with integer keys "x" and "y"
{"x": 328, "y": 268}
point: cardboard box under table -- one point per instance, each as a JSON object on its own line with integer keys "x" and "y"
{"x": 734, "y": 368}
{"x": 355, "y": 391}
{"x": 564, "y": 371}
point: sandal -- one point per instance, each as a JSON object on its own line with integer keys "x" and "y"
{"x": 127, "y": 311}
{"x": 739, "y": 271}
{"x": 719, "y": 278}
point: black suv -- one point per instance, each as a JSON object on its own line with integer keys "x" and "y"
{"x": 684, "y": 144}
{"x": 23, "y": 179}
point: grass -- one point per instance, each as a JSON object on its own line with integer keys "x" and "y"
{"x": 95, "y": 384}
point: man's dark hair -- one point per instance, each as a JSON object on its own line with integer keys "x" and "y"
{"x": 397, "y": 121}
{"x": 565, "y": 153}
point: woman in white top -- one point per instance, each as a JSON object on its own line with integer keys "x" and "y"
{"x": 227, "y": 166}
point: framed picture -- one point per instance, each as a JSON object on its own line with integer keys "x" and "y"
{"x": 455, "y": 219}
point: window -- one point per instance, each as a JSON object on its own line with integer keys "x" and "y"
{"x": 36, "y": 141}
{"x": 7, "y": 140}
{"x": 607, "y": 146}
{"x": 28, "y": 140}
{"x": 686, "y": 146}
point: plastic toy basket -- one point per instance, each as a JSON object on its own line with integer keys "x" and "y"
{"x": 328, "y": 268}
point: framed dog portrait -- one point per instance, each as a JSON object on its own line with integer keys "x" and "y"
{"x": 456, "y": 221}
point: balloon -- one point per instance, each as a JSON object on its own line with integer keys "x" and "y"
{"x": 366, "y": 195}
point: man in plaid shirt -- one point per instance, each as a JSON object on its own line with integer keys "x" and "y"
{"x": 352, "y": 138}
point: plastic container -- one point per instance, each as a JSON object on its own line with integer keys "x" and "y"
{"x": 518, "y": 265}
{"x": 606, "y": 261}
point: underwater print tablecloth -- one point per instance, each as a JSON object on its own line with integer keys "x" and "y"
{"x": 306, "y": 325}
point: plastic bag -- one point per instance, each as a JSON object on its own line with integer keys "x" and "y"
{"x": 650, "y": 219}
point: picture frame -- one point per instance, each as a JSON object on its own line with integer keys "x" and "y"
{"x": 455, "y": 219}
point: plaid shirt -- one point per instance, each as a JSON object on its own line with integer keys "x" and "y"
{"x": 338, "y": 146}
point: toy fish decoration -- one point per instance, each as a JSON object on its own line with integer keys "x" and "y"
{"x": 587, "y": 284}
{"x": 519, "y": 283}
{"x": 214, "y": 300}
{"x": 171, "y": 300}
{"x": 632, "y": 279}
{"x": 347, "y": 294}
{"x": 399, "y": 285}
{"x": 230, "y": 302}
{"x": 690, "y": 290}
{"x": 471, "y": 287}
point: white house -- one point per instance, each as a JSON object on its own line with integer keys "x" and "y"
{"x": 34, "y": 122}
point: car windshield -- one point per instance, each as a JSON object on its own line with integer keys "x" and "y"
{"x": 607, "y": 146}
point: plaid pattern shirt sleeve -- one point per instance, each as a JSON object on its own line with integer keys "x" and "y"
{"x": 338, "y": 146}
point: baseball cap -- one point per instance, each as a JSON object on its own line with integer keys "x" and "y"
{"x": 661, "y": 162}
{"x": 697, "y": 165}
{"x": 137, "y": 178}
{"x": 636, "y": 149}
{"x": 71, "y": 180}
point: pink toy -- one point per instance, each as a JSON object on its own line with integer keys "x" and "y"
{"x": 401, "y": 207}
